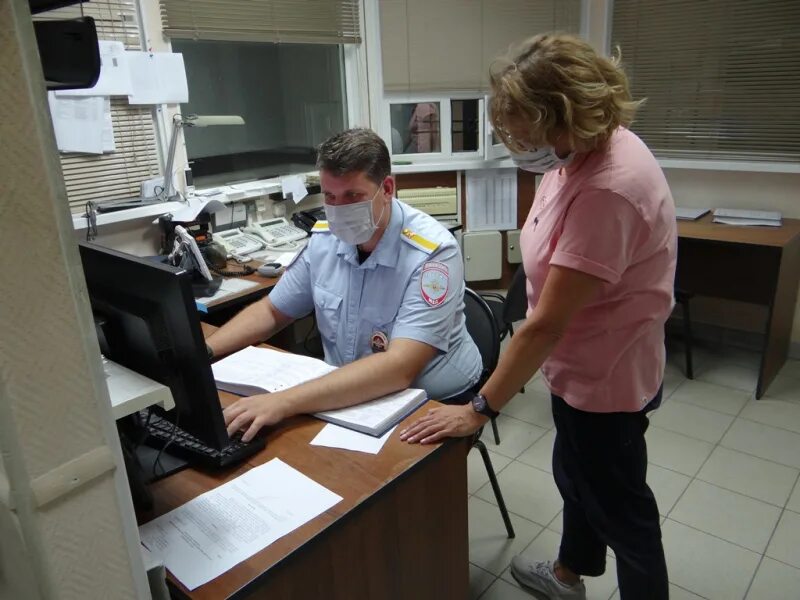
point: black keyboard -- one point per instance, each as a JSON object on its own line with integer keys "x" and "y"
{"x": 186, "y": 446}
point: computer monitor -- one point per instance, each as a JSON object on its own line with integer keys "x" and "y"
{"x": 149, "y": 323}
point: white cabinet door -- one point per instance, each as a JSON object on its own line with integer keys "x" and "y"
{"x": 482, "y": 252}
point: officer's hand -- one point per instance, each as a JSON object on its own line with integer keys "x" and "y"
{"x": 253, "y": 413}
{"x": 442, "y": 422}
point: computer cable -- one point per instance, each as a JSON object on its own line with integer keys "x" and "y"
{"x": 172, "y": 437}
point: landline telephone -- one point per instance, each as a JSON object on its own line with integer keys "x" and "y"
{"x": 276, "y": 232}
{"x": 236, "y": 242}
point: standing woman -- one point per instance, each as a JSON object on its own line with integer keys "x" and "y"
{"x": 599, "y": 250}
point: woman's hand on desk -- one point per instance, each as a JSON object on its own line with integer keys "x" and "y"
{"x": 254, "y": 412}
{"x": 443, "y": 422}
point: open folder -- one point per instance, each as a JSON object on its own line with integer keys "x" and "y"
{"x": 258, "y": 370}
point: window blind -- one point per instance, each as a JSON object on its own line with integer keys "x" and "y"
{"x": 721, "y": 77}
{"x": 448, "y": 45}
{"x": 298, "y": 21}
{"x": 118, "y": 174}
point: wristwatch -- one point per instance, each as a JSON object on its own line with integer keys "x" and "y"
{"x": 480, "y": 405}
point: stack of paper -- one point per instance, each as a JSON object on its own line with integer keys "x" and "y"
{"x": 689, "y": 214}
{"x": 732, "y": 216}
{"x": 257, "y": 370}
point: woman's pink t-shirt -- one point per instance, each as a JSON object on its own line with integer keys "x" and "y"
{"x": 609, "y": 214}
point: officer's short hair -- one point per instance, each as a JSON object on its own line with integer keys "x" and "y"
{"x": 355, "y": 150}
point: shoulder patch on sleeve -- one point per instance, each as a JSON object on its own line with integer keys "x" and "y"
{"x": 434, "y": 283}
{"x": 418, "y": 241}
{"x": 320, "y": 227}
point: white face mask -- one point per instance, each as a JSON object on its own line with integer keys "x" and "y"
{"x": 353, "y": 223}
{"x": 540, "y": 160}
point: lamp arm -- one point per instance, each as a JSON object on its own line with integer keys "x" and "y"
{"x": 167, "y": 191}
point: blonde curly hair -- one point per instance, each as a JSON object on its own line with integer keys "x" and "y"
{"x": 556, "y": 84}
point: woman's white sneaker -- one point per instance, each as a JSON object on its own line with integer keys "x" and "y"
{"x": 539, "y": 576}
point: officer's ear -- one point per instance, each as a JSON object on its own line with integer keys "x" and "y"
{"x": 389, "y": 186}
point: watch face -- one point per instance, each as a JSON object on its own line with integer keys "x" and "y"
{"x": 479, "y": 402}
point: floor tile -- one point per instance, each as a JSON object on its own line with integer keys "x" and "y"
{"x": 691, "y": 420}
{"x": 775, "y": 581}
{"x": 667, "y": 486}
{"x": 729, "y": 375}
{"x": 479, "y": 581}
{"x": 545, "y": 547}
{"x": 531, "y": 407}
{"x": 502, "y": 590}
{"x": 538, "y": 385}
{"x": 728, "y": 515}
{"x": 794, "y": 499}
{"x": 540, "y": 455}
{"x": 515, "y": 436}
{"x": 749, "y": 475}
{"x": 778, "y": 413}
{"x": 476, "y": 470}
{"x": 767, "y": 442}
{"x": 489, "y": 547}
{"x": 711, "y": 396}
{"x": 675, "y": 593}
{"x": 674, "y": 378}
{"x": 675, "y": 451}
{"x": 786, "y": 386}
{"x": 528, "y": 492}
{"x": 706, "y": 565}
{"x": 785, "y": 543}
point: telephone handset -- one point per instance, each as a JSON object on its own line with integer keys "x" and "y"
{"x": 276, "y": 232}
{"x": 236, "y": 242}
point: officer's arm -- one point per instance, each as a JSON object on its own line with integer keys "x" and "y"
{"x": 365, "y": 379}
{"x": 256, "y": 323}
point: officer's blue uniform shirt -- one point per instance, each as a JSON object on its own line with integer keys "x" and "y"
{"x": 411, "y": 286}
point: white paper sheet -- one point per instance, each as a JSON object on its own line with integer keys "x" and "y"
{"x": 219, "y": 529}
{"x": 228, "y": 287}
{"x": 78, "y": 123}
{"x": 194, "y": 206}
{"x": 108, "y": 127}
{"x": 115, "y": 77}
{"x": 157, "y": 78}
{"x": 333, "y": 436}
{"x": 294, "y": 185}
{"x": 256, "y": 370}
{"x": 491, "y": 199}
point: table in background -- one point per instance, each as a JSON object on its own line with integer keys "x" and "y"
{"x": 758, "y": 265}
{"x": 399, "y": 532}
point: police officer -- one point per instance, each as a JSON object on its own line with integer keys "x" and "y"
{"x": 386, "y": 284}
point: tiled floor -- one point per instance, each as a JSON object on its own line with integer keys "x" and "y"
{"x": 723, "y": 466}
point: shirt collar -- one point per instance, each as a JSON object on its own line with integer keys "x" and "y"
{"x": 386, "y": 252}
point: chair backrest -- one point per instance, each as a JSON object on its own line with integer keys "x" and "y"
{"x": 482, "y": 329}
{"x": 516, "y": 305}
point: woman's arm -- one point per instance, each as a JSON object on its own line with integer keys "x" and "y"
{"x": 566, "y": 291}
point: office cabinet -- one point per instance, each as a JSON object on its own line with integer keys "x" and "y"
{"x": 482, "y": 252}
{"x": 513, "y": 253}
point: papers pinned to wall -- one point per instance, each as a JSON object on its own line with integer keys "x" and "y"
{"x": 157, "y": 78}
{"x": 115, "y": 78}
{"x": 79, "y": 123}
{"x": 491, "y": 199}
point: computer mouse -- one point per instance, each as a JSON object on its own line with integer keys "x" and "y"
{"x": 271, "y": 269}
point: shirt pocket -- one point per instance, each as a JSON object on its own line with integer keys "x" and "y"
{"x": 327, "y": 306}
{"x": 376, "y": 318}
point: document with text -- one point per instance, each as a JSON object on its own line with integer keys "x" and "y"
{"x": 209, "y": 535}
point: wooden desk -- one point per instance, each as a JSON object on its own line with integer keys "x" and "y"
{"x": 759, "y": 265}
{"x": 265, "y": 284}
{"x": 399, "y": 532}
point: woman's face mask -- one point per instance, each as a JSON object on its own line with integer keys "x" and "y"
{"x": 353, "y": 223}
{"x": 540, "y": 160}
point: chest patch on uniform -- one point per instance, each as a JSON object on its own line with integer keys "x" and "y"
{"x": 434, "y": 282}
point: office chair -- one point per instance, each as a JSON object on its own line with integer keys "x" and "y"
{"x": 482, "y": 327}
{"x": 682, "y": 297}
{"x": 506, "y": 310}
